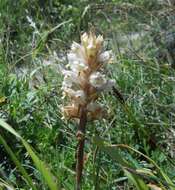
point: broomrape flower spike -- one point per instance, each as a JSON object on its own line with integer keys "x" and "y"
{"x": 83, "y": 83}
{"x": 84, "y": 80}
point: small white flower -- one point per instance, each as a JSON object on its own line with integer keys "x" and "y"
{"x": 71, "y": 79}
{"x": 78, "y": 66}
{"x": 105, "y": 57}
{"x": 97, "y": 79}
{"x": 71, "y": 57}
{"x": 79, "y": 95}
{"x": 76, "y": 63}
{"x": 107, "y": 86}
{"x": 70, "y": 75}
{"x": 99, "y": 40}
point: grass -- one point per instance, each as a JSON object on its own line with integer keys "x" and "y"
{"x": 30, "y": 102}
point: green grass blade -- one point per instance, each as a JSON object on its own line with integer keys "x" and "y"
{"x": 47, "y": 175}
{"x": 9, "y": 128}
{"x": 49, "y": 178}
{"x": 166, "y": 178}
{"x": 139, "y": 183}
{"x": 6, "y": 185}
{"x": 17, "y": 163}
{"x": 110, "y": 151}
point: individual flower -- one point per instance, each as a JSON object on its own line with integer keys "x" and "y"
{"x": 84, "y": 79}
{"x": 105, "y": 57}
{"x": 97, "y": 79}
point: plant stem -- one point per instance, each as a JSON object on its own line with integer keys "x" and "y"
{"x": 80, "y": 147}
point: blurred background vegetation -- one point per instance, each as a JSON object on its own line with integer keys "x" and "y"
{"x": 35, "y": 36}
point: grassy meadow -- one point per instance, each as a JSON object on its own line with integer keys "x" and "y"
{"x": 134, "y": 147}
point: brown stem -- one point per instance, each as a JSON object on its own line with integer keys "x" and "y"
{"x": 118, "y": 95}
{"x": 80, "y": 148}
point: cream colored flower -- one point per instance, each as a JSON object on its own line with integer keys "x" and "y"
{"x": 97, "y": 79}
{"x": 105, "y": 57}
{"x": 107, "y": 86}
{"x": 83, "y": 79}
{"x": 78, "y": 96}
{"x": 75, "y": 46}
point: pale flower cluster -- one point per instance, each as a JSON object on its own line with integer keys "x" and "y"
{"x": 84, "y": 79}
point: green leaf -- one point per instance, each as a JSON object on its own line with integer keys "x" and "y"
{"x": 17, "y": 163}
{"x": 139, "y": 183}
{"x": 47, "y": 175}
{"x": 111, "y": 151}
{"x": 49, "y": 178}
{"x": 9, "y": 128}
